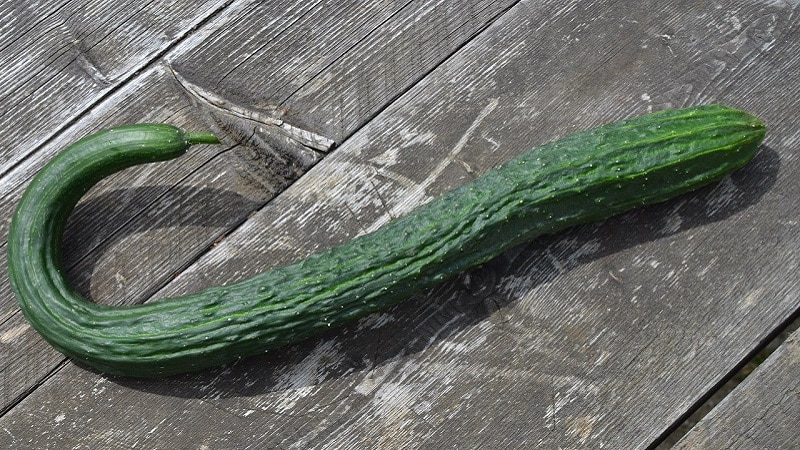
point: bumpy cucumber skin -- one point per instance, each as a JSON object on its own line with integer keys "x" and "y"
{"x": 583, "y": 177}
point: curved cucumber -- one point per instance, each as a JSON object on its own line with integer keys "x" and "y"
{"x": 583, "y": 177}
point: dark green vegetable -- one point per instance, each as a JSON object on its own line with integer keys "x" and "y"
{"x": 583, "y": 177}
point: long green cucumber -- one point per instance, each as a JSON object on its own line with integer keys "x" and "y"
{"x": 583, "y": 177}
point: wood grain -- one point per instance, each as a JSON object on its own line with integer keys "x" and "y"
{"x": 762, "y": 412}
{"x": 602, "y": 336}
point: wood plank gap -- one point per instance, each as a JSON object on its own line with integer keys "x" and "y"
{"x": 737, "y": 376}
{"x": 41, "y": 381}
{"x": 132, "y": 74}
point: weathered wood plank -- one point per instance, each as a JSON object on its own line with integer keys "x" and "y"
{"x": 110, "y": 240}
{"x": 762, "y": 412}
{"x": 326, "y": 66}
{"x": 601, "y": 336}
{"x": 60, "y": 58}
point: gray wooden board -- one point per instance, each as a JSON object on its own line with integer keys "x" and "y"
{"x": 762, "y": 412}
{"x": 57, "y": 59}
{"x": 600, "y": 336}
{"x": 262, "y": 155}
{"x": 327, "y": 67}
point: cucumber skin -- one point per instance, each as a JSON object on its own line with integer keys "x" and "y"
{"x": 583, "y": 177}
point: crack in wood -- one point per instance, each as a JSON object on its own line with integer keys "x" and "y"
{"x": 264, "y": 117}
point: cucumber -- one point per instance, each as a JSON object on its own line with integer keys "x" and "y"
{"x": 583, "y": 177}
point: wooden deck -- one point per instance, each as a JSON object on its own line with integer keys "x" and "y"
{"x": 337, "y": 117}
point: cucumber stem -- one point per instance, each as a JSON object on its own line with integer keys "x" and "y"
{"x": 200, "y": 137}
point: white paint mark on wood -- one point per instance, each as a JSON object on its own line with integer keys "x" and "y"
{"x": 376, "y": 376}
{"x": 387, "y": 158}
{"x": 461, "y": 346}
{"x": 301, "y": 380}
{"x": 734, "y": 21}
{"x": 120, "y": 280}
{"x": 410, "y": 139}
{"x": 99, "y": 387}
{"x": 418, "y": 194}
